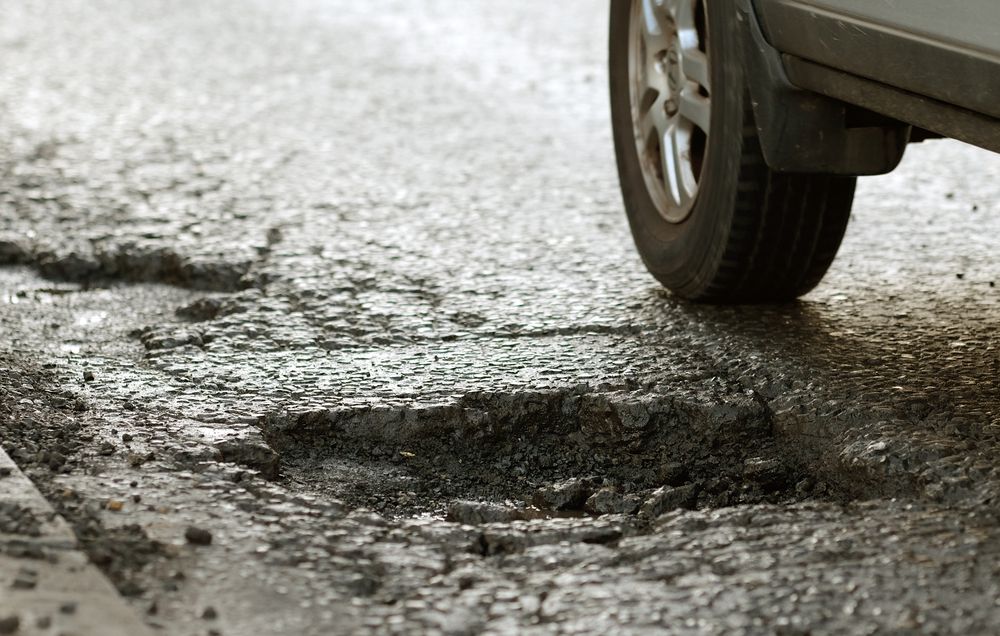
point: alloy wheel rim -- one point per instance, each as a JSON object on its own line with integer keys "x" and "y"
{"x": 670, "y": 95}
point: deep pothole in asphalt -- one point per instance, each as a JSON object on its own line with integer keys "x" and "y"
{"x": 507, "y": 457}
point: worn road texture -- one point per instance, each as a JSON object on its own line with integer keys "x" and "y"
{"x": 322, "y": 317}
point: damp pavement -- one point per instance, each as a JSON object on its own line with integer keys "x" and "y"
{"x": 323, "y": 317}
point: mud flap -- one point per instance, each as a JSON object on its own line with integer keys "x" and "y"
{"x": 802, "y": 131}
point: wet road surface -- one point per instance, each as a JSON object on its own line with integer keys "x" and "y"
{"x": 351, "y": 289}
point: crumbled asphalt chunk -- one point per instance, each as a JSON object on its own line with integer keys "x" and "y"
{"x": 565, "y": 495}
{"x": 170, "y": 338}
{"x": 10, "y": 624}
{"x": 608, "y": 501}
{"x": 201, "y": 310}
{"x": 768, "y": 473}
{"x": 210, "y": 614}
{"x": 669, "y": 498}
{"x": 252, "y": 453}
{"x": 11, "y": 252}
{"x": 106, "y": 448}
{"x": 475, "y": 513}
{"x": 197, "y": 536}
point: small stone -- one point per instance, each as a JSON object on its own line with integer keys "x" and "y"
{"x": 56, "y": 460}
{"x": 136, "y": 498}
{"x": 43, "y": 622}
{"x": 127, "y": 437}
{"x": 198, "y": 536}
{"x": 5, "y": 471}
{"x": 106, "y": 448}
{"x": 10, "y": 624}
{"x": 133, "y": 484}
{"x": 130, "y": 589}
{"x": 26, "y": 579}
{"x": 88, "y": 376}
{"x": 115, "y": 506}
{"x": 68, "y": 607}
{"x": 101, "y": 557}
{"x": 210, "y": 614}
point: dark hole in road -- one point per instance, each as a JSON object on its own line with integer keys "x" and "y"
{"x": 501, "y": 457}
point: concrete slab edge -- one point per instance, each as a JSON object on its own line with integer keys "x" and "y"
{"x": 47, "y": 584}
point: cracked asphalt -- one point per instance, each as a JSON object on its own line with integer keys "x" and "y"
{"x": 323, "y": 317}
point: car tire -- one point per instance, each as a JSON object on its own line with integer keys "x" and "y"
{"x": 738, "y": 231}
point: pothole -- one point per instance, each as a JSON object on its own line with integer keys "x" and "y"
{"x": 520, "y": 456}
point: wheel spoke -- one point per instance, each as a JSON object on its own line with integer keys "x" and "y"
{"x": 654, "y": 20}
{"x": 694, "y": 63}
{"x": 677, "y": 165}
{"x": 670, "y": 169}
{"x": 696, "y": 108}
{"x": 676, "y": 10}
{"x": 653, "y": 119}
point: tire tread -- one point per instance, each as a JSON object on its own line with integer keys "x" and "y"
{"x": 785, "y": 231}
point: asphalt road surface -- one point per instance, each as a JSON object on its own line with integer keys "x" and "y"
{"x": 323, "y": 317}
